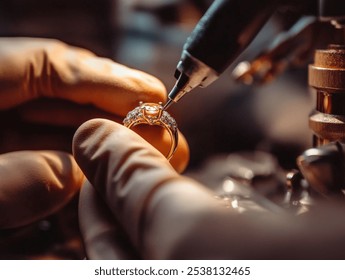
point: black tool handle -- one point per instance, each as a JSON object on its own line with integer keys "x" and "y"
{"x": 226, "y": 29}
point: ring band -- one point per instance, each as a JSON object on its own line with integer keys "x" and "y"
{"x": 153, "y": 114}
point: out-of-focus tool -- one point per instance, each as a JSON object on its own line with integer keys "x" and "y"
{"x": 324, "y": 165}
{"x": 327, "y": 76}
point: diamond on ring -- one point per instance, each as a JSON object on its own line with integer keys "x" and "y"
{"x": 153, "y": 114}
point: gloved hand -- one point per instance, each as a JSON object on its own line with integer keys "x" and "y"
{"x": 136, "y": 205}
{"x": 49, "y": 83}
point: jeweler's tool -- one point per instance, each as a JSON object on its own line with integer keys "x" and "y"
{"x": 227, "y": 28}
{"x": 222, "y": 33}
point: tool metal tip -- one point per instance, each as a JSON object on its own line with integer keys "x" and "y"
{"x": 167, "y": 104}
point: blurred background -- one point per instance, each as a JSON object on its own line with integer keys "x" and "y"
{"x": 149, "y": 35}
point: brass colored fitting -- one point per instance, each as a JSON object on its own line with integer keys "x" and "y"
{"x": 328, "y": 70}
{"x": 327, "y": 76}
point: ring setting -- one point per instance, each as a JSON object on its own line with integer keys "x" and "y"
{"x": 153, "y": 114}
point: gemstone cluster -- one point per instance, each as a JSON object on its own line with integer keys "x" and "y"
{"x": 152, "y": 114}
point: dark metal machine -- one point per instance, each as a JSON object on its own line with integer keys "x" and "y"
{"x": 226, "y": 30}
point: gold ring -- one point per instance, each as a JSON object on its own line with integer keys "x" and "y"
{"x": 153, "y": 114}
